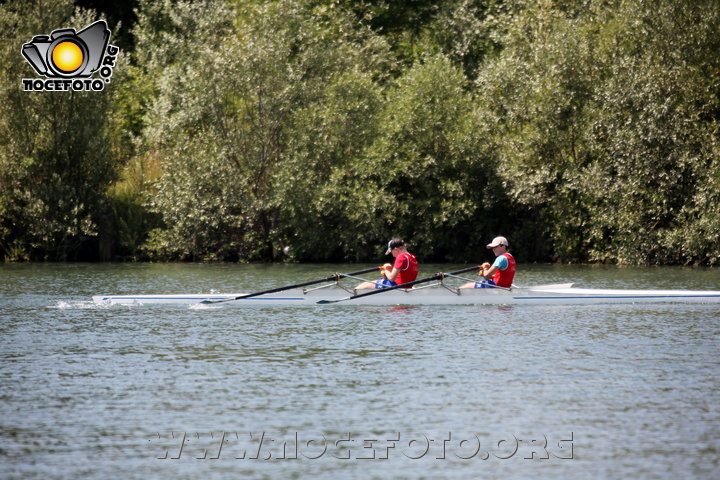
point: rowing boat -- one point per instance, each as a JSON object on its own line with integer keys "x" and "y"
{"x": 437, "y": 294}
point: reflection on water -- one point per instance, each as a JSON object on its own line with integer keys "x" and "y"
{"x": 378, "y": 392}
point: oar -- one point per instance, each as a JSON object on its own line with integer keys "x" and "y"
{"x": 334, "y": 276}
{"x": 437, "y": 276}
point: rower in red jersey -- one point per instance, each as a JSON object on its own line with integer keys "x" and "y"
{"x": 403, "y": 270}
{"x": 501, "y": 272}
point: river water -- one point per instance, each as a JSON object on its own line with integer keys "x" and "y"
{"x": 345, "y": 391}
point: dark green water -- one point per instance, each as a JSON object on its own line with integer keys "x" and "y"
{"x": 348, "y": 391}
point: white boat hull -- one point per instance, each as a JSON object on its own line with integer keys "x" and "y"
{"x": 562, "y": 294}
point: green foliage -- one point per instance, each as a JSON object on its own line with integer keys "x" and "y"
{"x": 326, "y": 137}
{"x": 608, "y": 124}
{"x": 467, "y": 30}
{"x": 54, "y": 156}
{"x": 308, "y": 130}
{"x": 225, "y": 116}
{"x": 652, "y": 137}
{"x": 427, "y": 171}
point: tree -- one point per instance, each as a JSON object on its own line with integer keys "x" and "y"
{"x": 226, "y": 113}
{"x": 55, "y": 160}
{"x": 425, "y": 177}
{"x": 607, "y": 125}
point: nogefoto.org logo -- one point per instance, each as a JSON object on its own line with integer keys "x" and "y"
{"x": 68, "y": 59}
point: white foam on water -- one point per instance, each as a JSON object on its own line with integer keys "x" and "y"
{"x": 204, "y": 306}
{"x": 77, "y": 305}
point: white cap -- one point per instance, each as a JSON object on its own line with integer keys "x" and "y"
{"x": 498, "y": 241}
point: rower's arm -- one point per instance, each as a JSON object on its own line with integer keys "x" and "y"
{"x": 392, "y": 274}
{"x": 489, "y": 272}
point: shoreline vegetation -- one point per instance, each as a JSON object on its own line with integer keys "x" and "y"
{"x": 313, "y": 131}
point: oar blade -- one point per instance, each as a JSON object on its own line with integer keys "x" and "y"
{"x": 326, "y": 302}
{"x": 213, "y": 302}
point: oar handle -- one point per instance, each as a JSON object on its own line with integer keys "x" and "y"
{"x": 437, "y": 276}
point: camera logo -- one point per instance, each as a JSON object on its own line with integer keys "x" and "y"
{"x": 68, "y": 59}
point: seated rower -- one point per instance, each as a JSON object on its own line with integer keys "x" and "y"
{"x": 403, "y": 270}
{"x": 501, "y": 272}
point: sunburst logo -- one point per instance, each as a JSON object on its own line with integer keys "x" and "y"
{"x": 68, "y": 59}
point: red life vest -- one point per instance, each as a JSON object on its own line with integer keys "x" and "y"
{"x": 504, "y": 278}
{"x": 407, "y": 265}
